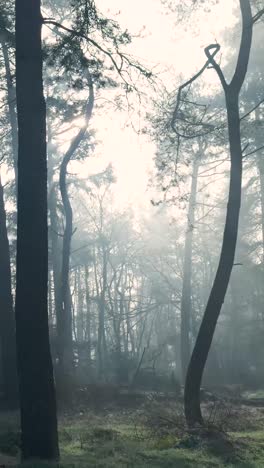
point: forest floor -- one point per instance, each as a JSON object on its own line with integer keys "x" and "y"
{"x": 149, "y": 431}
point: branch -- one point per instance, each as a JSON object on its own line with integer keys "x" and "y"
{"x": 7, "y": 36}
{"x": 210, "y": 55}
{"x": 254, "y": 151}
{"x": 83, "y": 36}
{"x": 258, "y": 16}
{"x": 123, "y": 57}
{"x": 210, "y": 61}
{"x": 252, "y": 110}
{"x": 74, "y": 145}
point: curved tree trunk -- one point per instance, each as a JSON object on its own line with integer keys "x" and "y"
{"x": 226, "y": 261}
{"x": 64, "y": 313}
{"x": 36, "y": 383}
{"x": 186, "y": 301}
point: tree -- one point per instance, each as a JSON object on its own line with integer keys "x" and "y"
{"x": 64, "y": 314}
{"x": 226, "y": 261}
{"x": 7, "y": 322}
{"x": 7, "y": 318}
{"x": 36, "y": 383}
{"x": 86, "y": 63}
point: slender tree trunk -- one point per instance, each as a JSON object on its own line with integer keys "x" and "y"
{"x": 64, "y": 314}
{"x": 186, "y": 304}
{"x": 7, "y": 323}
{"x": 55, "y": 246}
{"x": 7, "y": 319}
{"x": 11, "y": 99}
{"x": 88, "y": 313}
{"x": 101, "y": 347}
{"x": 80, "y": 316}
{"x": 36, "y": 383}
{"x": 260, "y": 167}
{"x": 219, "y": 288}
{"x": 206, "y": 332}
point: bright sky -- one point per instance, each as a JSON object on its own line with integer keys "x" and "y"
{"x": 178, "y": 51}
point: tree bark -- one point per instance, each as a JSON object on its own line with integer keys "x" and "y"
{"x": 206, "y": 332}
{"x": 36, "y": 383}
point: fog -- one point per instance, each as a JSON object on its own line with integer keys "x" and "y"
{"x": 155, "y": 218}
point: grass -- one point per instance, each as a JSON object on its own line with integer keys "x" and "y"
{"x": 116, "y": 437}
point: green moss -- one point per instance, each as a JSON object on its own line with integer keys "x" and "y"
{"x": 116, "y": 440}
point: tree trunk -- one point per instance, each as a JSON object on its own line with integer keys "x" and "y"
{"x": 55, "y": 246}
{"x": 7, "y": 319}
{"x": 186, "y": 304}
{"x": 11, "y": 99}
{"x": 205, "y": 336}
{"x": 36, "y": 383}
{"x": 260, "y": 165}
{"x": 101, "y": 345}
{"x": 88, "y": 314}
{"x": 79, "y": 308}
{"x": 64, "y": 314}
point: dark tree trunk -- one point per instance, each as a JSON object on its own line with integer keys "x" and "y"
{"x": 206, "y": 332}
{"x": 64, "y": 313}
{"x": 186, "y": 301}
{"x": 7, "y": 319}
{"x": 36, "y": 383}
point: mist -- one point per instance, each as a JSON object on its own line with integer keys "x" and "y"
{"x": 131, "y": 233}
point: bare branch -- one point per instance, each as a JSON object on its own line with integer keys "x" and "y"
{"x": 258, "y": 16}
{"x": 252, "y": 110}
{"x": 210, "y": 61}
{"x": 254, "y": 151}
